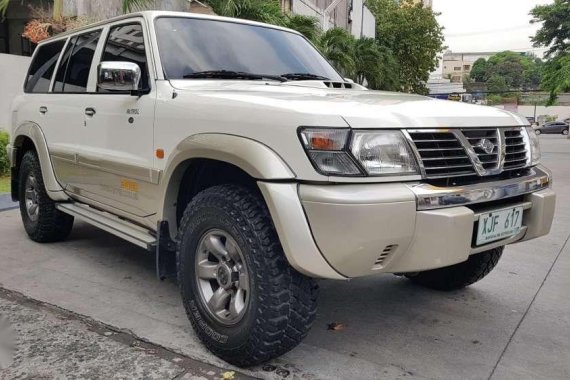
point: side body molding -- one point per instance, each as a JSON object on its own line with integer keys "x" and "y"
{"x": 253, "y": 157}
{"x": 34, "y": 133}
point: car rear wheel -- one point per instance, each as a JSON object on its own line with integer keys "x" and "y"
{"x": 459, "y": 275}
{"x": 43, "y": 222}
{"x": 565, "y": 132}
{"x": 537, "y": 131}
{"x": 245, "y": 302}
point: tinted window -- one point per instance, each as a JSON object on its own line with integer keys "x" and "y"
{"x": 190, "y": 45}
{"x": 73, "y": 72}
{"x": 126, "y": 44}
{"x": 41, "y": 69}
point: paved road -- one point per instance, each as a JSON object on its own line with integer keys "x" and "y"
{"x": 515, "y": 324}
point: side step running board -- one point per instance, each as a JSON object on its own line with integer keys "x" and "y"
{"x": 107, "y": 222}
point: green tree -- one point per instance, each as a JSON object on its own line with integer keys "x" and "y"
{"x": 337, "y": 45}
{"x": 508, "y": 65}
{"x": 519, "y": 71}
{"x": 306, "y": 25}
{"x": 497, "y": 84}
{"x": 479, "y": 70}
{"x": 554, "y": 34}
{"x": 363, "y": 60}
{"x": 374, "y": 65}
{"x": 556, "y": 77}
{"x": 555, "y": 30}
{"x": 414, "y": 36}
{"x": 268, "y": 11}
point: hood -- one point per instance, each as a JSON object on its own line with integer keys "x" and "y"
{"x": 359, "y": 107}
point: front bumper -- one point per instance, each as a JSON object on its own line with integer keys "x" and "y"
{"x": 375, "y": 228}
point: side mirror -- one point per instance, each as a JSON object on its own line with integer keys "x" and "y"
{"x": 348, "y": 80}
{"x": 118, "y": 76}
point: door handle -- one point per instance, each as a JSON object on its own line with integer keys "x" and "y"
{"x": 43, "y": 110}
{"x": 89, "y": 111}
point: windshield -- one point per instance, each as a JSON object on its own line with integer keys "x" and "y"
{"x": 190, "y": 46}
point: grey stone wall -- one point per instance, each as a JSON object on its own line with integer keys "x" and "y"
{"x": 104, "y": 9}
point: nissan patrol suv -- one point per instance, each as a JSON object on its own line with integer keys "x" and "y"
{"x": 240, "y": 157}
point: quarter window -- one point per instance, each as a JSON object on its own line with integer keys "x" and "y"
{"x": 73, "y": 73}
{"x": 42, "y": 67}
{"x": 126, "y": 44}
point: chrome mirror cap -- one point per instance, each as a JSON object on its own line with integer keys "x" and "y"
{"x": 118, "y": 76}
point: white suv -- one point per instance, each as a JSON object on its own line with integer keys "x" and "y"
{"x": 238, "y": 155}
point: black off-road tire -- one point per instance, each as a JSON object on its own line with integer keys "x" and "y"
{"x": 51, "y": 225}
{"x": 282, "y": 304}
{"x": 459, "y": 275}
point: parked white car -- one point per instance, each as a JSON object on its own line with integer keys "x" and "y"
{"x": 236, "y": 148}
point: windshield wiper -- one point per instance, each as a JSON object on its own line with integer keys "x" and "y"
{"x": 304, "y": 76}
{"x": 229, "y": 74}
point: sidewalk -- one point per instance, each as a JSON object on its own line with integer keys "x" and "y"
{"x": 53, "y": 343}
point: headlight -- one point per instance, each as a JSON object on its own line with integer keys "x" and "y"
{"x": 534, "y": 146}
{"x": 340, "y": 152}
{"x": 383, "y": 152}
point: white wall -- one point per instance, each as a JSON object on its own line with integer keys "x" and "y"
{"x": 561, "y": 112}
{"x": 369, "y": 24}
{"x": 13, "y": 70}
{"x": 363, "y": 22}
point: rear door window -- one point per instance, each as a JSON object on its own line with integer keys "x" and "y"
{"x": 42, "y": 67}
{"x": 73, "y": 72}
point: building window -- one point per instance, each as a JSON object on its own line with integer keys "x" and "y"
{"x": 466, "y": 67}
{"x": 457, "y": 68}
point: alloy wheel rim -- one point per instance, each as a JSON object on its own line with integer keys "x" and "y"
{"x": 222, "y": 277}
{"x": 31, "y": 198}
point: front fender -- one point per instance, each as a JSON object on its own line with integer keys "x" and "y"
{"x": 33, "y": 132}
{"x": 253, "y": 157}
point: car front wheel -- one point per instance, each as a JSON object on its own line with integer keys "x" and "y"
{"x": 537, "y": 131}
{"x": 565, "y": 132}
{"x": 245, "y": 302}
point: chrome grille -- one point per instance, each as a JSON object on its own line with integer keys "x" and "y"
{"x": 441, "y": 153}
{"x": 516, "y": 154}
{"x": 469, "y": 152}
{"x": 488, "y": 161}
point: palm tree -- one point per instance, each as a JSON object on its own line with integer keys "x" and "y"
{"x": 268, "y": 11}
{"x": 375, "y": 65}
{"x": 337, "y": 45}
{"x": 306, "y": 25}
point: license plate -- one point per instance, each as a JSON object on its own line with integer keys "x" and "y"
{"x": 499, "y": 225}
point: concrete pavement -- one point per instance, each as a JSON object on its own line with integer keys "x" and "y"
{"x": 513, "y": 324}
{"x": 52, "y": 342}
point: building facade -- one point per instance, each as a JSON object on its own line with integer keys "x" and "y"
{"x": 456, "y": 65}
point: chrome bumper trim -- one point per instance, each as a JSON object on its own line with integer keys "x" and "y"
{"x": 431, "y": 197}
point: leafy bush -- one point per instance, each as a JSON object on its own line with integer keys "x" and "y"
{"x": 4, "y": 163}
